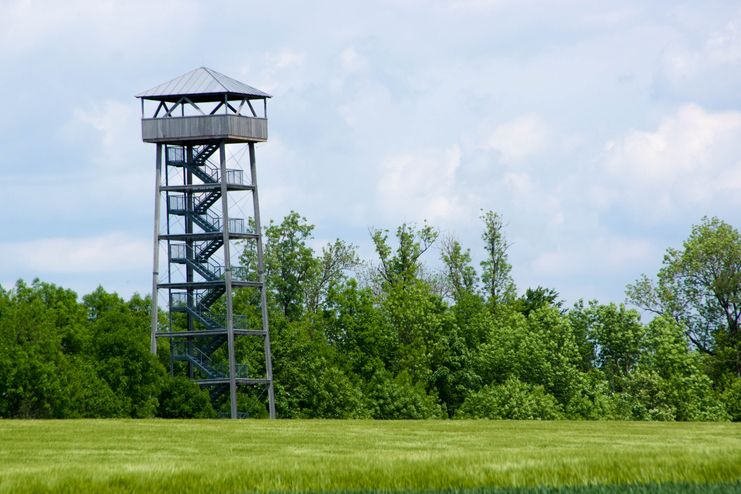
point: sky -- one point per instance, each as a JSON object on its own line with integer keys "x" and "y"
{"x": 600, "y": 131}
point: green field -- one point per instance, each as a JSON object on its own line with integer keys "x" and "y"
{"x": 201, "y": 456}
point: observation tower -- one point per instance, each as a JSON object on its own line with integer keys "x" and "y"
{"x": 208, "y": 254}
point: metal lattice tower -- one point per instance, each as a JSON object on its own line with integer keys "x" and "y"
{"x": 197, "y": 120}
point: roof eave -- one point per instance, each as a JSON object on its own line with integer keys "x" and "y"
{"x": 201, "y": 97}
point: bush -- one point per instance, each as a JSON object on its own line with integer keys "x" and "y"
{"x": 511, "y": 400}
{"x": 400, "y": 398}
{"x": 591, "y": 399}
{"x": 731, "y": 398}
{"x": 184, "y": 399}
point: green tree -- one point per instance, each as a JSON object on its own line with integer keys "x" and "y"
{"x": 700, "y": 287}
{"x": 618, "y": 337}
{"x": 453, "y": 377}
{"x": 581, "y": 319}
{"x": 498, "y": 284}
{"x": 460, "y": 275}
{"x": 120, "y": 346}
{"x": 560, "y": 353}
{"x": 668, "y": 382}
{"x": 290, "y": 265}
{"x": 688, "y": 389}
{"x": 310, "y": 383}
{"x": 538, "y": 297}
{"x": 402, "y": 265}
{"x": 334, "y": 262}
{"x": 87, "y": 395}
{"x": 591, "y": 398}
{"x": 539, "y": 349}
{"x": 356, "y": 327}
{"x": 32, "y": 383}
{"x": 297, "y": 279}
{"x": 509, "y": 349}
{"x": 46, "y": 369}
{"x": 417, "y": 319}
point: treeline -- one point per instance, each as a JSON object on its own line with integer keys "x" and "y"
{"x": 61, "y": 358}
{"x": 394, "y": 339}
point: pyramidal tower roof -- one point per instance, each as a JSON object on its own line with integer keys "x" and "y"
{"x": 201, "y": 84}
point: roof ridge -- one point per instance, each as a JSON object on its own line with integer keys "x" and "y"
{"x": 201, "y": 81}
{"x": 212, "y": 73}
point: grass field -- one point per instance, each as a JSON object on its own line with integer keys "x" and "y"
{"x": 201, "y": 456}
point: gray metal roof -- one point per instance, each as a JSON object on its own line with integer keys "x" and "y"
{"x": 201, "y": 84}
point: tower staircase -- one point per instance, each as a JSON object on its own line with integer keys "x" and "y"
{"x": 198, "y": 350}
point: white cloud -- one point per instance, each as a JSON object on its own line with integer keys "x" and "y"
{"x": 110, "y": 252}
{"x": 477, "y": 5}
{"x": 519, "y": 139}
{"x": 720, "y": 47}
{"x": 692, "y": 158}
{"x": 110, "y": 127}
{"x": 708, "y": 71}
{"x": 603, "y": 255}
{"x": 27, "y": 23}
{"x": 282, "y": 70}
{"x": 279, "y": 178}
{"x": 100, "y": 26}
{"x": 520, "y": 184}
{"x": 114, "y": 170}
{"x": 608, "y": 16}
{"x": 724, "y": 46}
{"x": 368, "y": 108}
{"x": 352, "y": 61}
{"x": 420, "y": 185}
{"x": 283, "y": 59}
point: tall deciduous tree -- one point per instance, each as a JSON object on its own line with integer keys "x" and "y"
{"x": 403, "y": 265}
{"x": 700, "y": 287}
{"x": 460, "y": 276}
{"x": 668, "y": 382}
{"x": 616, "y": 336}
{"x": 119, "y": 345}
{"x": 289, "y": 263}
{"x": 495, "y": 275}
{"x": 335, "y": 260}
{"x": 297, "y": 279}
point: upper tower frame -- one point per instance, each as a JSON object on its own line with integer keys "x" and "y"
{"x": 204, "y": 105}
{"x": 193, "y": 120}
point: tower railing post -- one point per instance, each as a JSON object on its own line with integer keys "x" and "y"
{"x": 156, "y": 253}
{"x": 228, "y": 285}
{"x": 263, "y": 288}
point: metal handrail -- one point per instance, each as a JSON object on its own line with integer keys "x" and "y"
{"x": 176, "y": 156}
{"x": 234, "y": 176}
{"x": 206, "y": 363}
{"x": 207, "y": 317}
{"x": 237, "y": 225}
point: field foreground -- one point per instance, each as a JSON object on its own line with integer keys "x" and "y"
{"x": 202, "y": 456}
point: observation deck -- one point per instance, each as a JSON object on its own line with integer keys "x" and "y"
{"x": 203, "y": 128}
{"x": 204, "y": 106}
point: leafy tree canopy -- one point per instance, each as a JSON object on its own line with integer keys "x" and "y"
{"x": 406, "y": 342}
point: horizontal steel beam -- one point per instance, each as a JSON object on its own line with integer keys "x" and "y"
{"x": 204, "y": 187}
{"x": 209, "y": 332}
{"x": 225, "y": 380}
{"x": 207, "y": 236}
{"x": 203, "y": 285}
